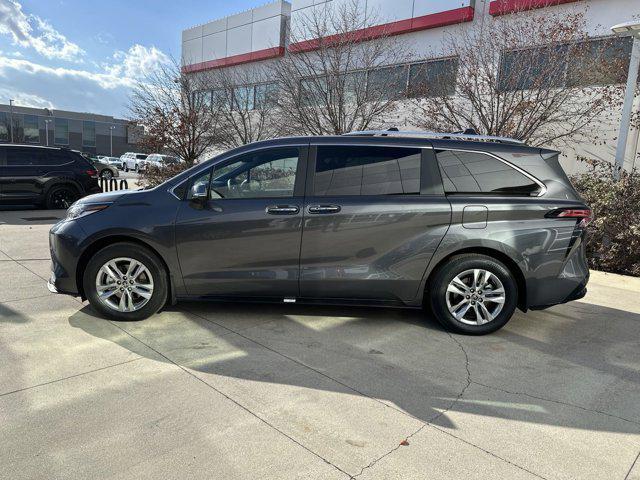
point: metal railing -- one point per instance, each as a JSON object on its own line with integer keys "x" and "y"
{"x": 112, "y": 184}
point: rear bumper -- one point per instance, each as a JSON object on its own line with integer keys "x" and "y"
{"x": 577, "y": 294}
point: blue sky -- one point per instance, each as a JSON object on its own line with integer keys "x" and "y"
{"x": 85, "y": 55}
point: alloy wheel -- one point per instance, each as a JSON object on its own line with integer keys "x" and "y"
{"x": 475, "y": 297}
{"x": 124, "y": 284}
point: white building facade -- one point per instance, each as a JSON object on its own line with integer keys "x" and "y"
{"x": 263, "y": 35}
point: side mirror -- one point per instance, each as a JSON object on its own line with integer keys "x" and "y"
{"x": 198, "y": 193}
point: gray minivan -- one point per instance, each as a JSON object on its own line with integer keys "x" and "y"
{"x": 471, "y": 227}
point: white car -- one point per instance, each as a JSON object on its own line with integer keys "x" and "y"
{"x": 132, "y": 160}
{"x": 158, "y": 160}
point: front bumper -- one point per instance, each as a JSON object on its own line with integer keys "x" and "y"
{"x": 63, "y": 246}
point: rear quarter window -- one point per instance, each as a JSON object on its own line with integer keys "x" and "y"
{"x": 475, "y": 172}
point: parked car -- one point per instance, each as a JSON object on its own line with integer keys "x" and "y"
{"x": 115, "y": 161}
{"x": 131, "y": 161}
{"x": 105, "y": 170}
{"x": 44, "y": 176}
{"x": 472, "y": 227}
{"x": 158, "y": 160}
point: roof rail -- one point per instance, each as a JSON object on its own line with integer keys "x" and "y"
{"x": 453, "y": 136}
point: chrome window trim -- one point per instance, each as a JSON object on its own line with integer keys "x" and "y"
{"x": 252, "y": 150}
{"x": 543, "y": 187}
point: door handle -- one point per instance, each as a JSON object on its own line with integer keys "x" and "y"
{"x": 320, "y": 209}
{"x": 282, "y": 209}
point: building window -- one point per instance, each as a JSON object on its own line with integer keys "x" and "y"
{"x": 592, "y": 62}
{"x": 4, "y": 127}
{"x": 243, "y": 98}
{"x": 434, "y": 78}
{"x": 88, "y": 134}
{"x": 61, "y": 131}
{"x": 31, "y": 129}
{"x": 389, "y": 83}
{"x": 265, "y": 95}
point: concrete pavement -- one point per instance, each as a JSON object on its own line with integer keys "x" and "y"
{"x": 286, "y": 391}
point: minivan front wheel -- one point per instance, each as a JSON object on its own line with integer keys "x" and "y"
{"x": 125, "y": 282}
{"x": 473, "y": 294}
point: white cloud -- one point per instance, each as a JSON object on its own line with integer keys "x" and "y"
{"x": 103, "y": 91}
{"x": 31, "y": 31}
{"x": 137, "y": 62}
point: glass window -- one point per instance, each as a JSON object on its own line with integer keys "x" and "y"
{"x": 270, "y": 173}
{"x": 354, "y": 170}
{"x": 26, "y": 156}
{"x": 265, "y": 95}
{"x": 61, "y": 134}
{"x": 4, "y": 127}
{"x": 599, "y": 62}
{"x": 220, "y": 98}
{"x": 88, "y": 134}
{"x": 388, "y": 83}
{"x": 533, "y": 68}
{"x": 31, "y": 129}
{"x": 470, "y": 172}
{"x": 243, "y": 98}
{"x": 313, "y": 91}
{"x": 433, "y": 79}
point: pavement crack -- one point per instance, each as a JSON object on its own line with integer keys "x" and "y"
{"x": 434, "y": 418}
{"x": 234, "y": 401}
{"x": 71, "y": 376}
{"x": 558, "y": 402}
{"x": 628, "y": 475}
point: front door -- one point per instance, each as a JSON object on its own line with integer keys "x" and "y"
{"x": 372, "y": 222}
{"x": 238, "y": 232}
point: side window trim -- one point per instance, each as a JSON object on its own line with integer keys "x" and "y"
{"x": 430, "y": 176}
{"x": 301, "y": 173}
{"x": 543, "y": 187}
{"x": 313, "y": 157}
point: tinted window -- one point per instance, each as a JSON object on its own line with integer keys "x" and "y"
{"x": 389, "y": 83}
{"x": 433, "y": 79}
{"x": 141, "y": 156}
{"x": 26, "y": 156}
{"x": 31, "y": 130}
{"x": 88, "y": 134}
{"x": 353, "y": 170}
{"x": 270, "y": 173}
{"x": 469, "y": 172}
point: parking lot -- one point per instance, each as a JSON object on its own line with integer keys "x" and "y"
{"x": 288, "y": 391}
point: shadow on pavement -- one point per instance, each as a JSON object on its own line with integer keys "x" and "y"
{"x": 395, "y": 356}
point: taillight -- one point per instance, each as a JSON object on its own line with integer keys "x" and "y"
{"x": 92, "y": 173}
{"x": 584, "y": 215}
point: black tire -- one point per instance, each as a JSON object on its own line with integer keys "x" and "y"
{"x": 61, "y": 197}
{"x": 107, "y": 174}
{"x": 149, "y": 259}
{"x": 439, "y": 283}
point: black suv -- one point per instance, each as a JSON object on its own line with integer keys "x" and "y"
{"x": 472, "y": 227}
{"x": 44, "y": 176}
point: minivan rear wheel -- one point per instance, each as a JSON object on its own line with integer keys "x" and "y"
{"x": 125, "y": 281}
{"x": 473, "y": 294}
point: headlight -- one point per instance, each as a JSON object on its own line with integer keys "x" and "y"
{"x": 78, "y": 210}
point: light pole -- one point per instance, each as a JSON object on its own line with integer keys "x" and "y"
{"x": 11, "y": 119}
{"x": 111, "y": 129}
{"x": 46, "y": 129}
{"x": 633, "y": 29}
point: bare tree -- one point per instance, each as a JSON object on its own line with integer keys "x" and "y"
{"x": 336, "y": 82}
{"x": 244, "y": 99}
{"x": 537, "y": 79}
{"x": 176, "y": 114}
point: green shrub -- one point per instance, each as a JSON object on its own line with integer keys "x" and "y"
{"x": 613, "y": 243}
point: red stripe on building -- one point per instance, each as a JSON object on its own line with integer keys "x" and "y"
{"x": 434, "y": 20}
{"x": 502, "y": 7}
{"x": 235, "y": 60}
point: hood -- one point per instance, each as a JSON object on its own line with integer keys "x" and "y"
{"x": 108, "y": 196}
